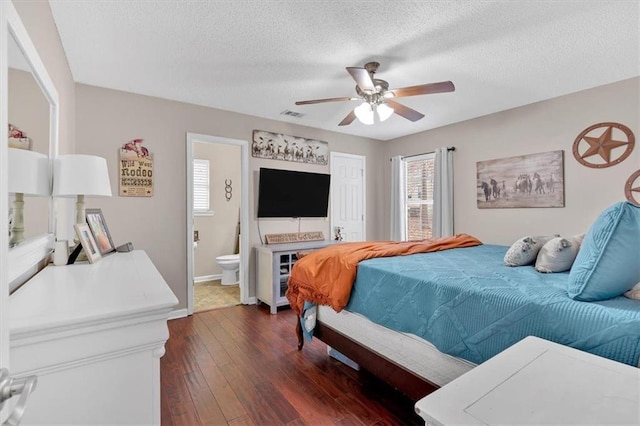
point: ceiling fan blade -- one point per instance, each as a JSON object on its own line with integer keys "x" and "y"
{"x": 348, "y": 119}
{"x": 362, "y": 78}
{"x": 423, "y": 89}
{"x": 406, "y": 112}
{"x": 319, "y": 101}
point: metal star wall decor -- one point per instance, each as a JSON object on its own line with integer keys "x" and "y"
{"x": 601, "y": 144}
{"x": 632, "y": 188}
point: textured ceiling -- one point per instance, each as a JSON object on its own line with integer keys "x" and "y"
{"x": 258, "y": 57}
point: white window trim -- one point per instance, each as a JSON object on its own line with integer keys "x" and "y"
{"x": 419, "y": 202}
{"x": 203, "y": 213}
{"x": 429, "y": 155}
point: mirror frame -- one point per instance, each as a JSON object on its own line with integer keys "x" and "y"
{"x": 27, "y": 258}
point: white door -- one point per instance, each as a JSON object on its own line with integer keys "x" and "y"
{"x": 20, "y": 388}
{"x": 4, "y": 293}
{"x": 348, "y": 195}
{"x": 4, "y": 208}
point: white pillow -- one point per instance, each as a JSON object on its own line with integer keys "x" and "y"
{"x": 524, "y": 251}
{"x": 634, "y": 293}
{"x": 558, "y": 254}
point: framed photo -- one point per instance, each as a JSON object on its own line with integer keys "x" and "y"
{"x": 88, "y": 242}
{"x": 533, "y": 180}
{"x": 100, "y": 232}
{"x": 278, "y": 146}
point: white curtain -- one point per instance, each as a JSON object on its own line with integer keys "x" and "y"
{"x": 398, "y": 217}
{"x": 443, "y": 193}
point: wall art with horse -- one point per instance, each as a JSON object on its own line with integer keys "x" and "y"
{"x": 277, "y": 146}
{"x": 534, "y": 180}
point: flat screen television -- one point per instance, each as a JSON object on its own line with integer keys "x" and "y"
{"x": 288, "y": 193}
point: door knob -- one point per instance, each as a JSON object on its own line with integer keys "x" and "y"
{"x": 10, "y": 387}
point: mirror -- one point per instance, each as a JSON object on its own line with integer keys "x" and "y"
{"x": 35, "y": 105}
{"x": 28, "y": 115}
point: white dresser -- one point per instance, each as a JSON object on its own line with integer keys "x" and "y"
{"x": 94, "y": 335}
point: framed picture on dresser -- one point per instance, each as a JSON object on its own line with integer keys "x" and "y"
{"x": 100, "y": 232}
{"x": 89, "y": 245}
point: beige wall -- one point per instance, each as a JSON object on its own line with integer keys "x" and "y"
{"x": 540, "y": 127}
{"x": 29, "y": 109}
{"x": 107, "y": 118}
{"x": 217, "y": 232}
{"x": 38, "y": 20}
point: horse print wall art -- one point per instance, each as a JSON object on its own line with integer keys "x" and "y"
{"x": 534, "y": 180}
{"x": 276, "y": 146}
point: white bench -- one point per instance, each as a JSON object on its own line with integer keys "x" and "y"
{"x": 538, "y": 382}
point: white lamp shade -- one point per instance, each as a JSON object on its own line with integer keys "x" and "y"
{"x": 384, "y": 111}
{"x": 364, "y": 113}
{"x": 28, "y": 173}
{"x": 80, "y": 175}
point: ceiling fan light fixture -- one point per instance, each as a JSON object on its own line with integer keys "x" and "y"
{"x": 384, "y": 111}
{"x": 364, "y": 112}
{"x": 379, "y": 101}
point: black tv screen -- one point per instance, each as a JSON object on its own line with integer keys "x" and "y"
{"x": 288, "y": 193}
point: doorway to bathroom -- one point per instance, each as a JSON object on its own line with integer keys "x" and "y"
{"x": 217, "y": 212}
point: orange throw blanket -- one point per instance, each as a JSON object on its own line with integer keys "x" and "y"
{"x": 325, "y": 276}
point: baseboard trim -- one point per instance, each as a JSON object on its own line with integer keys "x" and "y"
{"x": 250, "y": 301}
{"x": 178, "y": 313}
{"x": 204, "y": 278}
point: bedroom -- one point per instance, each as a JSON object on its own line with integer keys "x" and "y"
{"x": 95, "y": 120}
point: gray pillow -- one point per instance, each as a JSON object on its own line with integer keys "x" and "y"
{"x": 634, "y": 293}
{"x": 525, "y": 250}
{"x": 558, "y": 254}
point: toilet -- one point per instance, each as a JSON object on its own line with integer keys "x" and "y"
{"x": 230, "y": 265}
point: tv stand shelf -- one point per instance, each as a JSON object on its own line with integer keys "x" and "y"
{"x": 274, "y": 263}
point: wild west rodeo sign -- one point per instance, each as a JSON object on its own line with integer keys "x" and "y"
{"x": 136, "y": 170}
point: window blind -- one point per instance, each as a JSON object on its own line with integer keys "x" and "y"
{"x": 419, "y": 180}
{"x": 200, "y": 186}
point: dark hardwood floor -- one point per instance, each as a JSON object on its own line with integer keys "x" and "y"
{"x": 240, "y": 365}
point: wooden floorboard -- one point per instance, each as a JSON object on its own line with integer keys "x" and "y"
{"x": 240, "y": 366}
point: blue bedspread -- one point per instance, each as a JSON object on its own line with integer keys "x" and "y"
{"x": 468, "y": 304}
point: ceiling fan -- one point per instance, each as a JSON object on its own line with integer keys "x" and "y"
{"x": 379, "y": 98}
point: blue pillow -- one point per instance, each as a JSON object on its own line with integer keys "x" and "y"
{"x": 608, "y": 263}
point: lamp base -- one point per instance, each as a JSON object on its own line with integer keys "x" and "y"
{"x": 16, "y": 231}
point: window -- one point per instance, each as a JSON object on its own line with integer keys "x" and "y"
{"x": 419, "y": 196}
{"x": 201, "y": 205}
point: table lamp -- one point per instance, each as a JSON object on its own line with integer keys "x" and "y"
{"x": 76, "y": 175}
{"x": 28, "y": 175}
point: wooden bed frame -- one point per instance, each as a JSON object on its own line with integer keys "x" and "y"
{"x": 400, "y": 378}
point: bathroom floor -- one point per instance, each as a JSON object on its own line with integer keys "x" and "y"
{"x": 213, "y": 295}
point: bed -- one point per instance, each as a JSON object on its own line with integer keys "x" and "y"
{"x": 482, "y": 307}
{"x": 422, "y": 320}
{"x": 408, "y": 363}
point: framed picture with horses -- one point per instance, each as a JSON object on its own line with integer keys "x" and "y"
{"x": 278, "y": 146}
{"x": 533, "y": 180}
